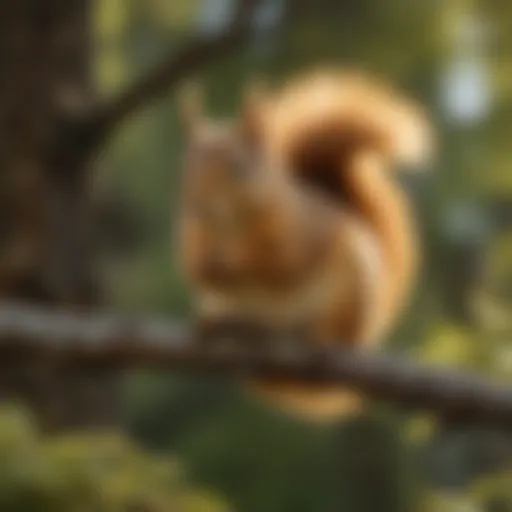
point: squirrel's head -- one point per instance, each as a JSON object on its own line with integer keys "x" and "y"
{"x": 226, "y": 172}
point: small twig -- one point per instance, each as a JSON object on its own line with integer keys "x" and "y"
{"x": 196, "y": 53}
{"x": 99, "y": 340}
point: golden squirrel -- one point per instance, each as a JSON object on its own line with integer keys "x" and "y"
{"x": 293, "y": 218}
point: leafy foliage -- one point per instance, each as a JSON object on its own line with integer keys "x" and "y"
{"x": 88, "y": 472}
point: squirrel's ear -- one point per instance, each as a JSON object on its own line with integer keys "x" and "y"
{"x": 253, "y": 109}
{"x": 190, "y": 105}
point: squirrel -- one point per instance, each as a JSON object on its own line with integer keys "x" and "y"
{"x": 292, "y": 217}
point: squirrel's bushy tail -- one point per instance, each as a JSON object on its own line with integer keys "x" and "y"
{"x": 325, "y": 117}
{"x": 345, "y": 134}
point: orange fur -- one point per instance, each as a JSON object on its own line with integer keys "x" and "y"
{"x": 292, "y": 217}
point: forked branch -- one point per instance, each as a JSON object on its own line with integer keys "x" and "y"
{"x": 196, "y": 53}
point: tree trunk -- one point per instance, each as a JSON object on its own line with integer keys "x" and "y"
{"x": 46, "y": 252}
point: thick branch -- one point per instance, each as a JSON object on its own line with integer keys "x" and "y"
{"x": 115, "y": 342}
{"x": 195, "y": 54}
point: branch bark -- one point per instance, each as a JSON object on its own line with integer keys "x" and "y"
{"x": 196, "y": 53}
{"x": 103, "y": 341}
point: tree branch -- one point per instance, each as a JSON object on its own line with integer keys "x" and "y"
{"x": 113, "y": 342}
{"x": 196, "y": 53}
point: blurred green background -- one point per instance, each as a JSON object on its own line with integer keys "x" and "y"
{"x": 456, "y": 57}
